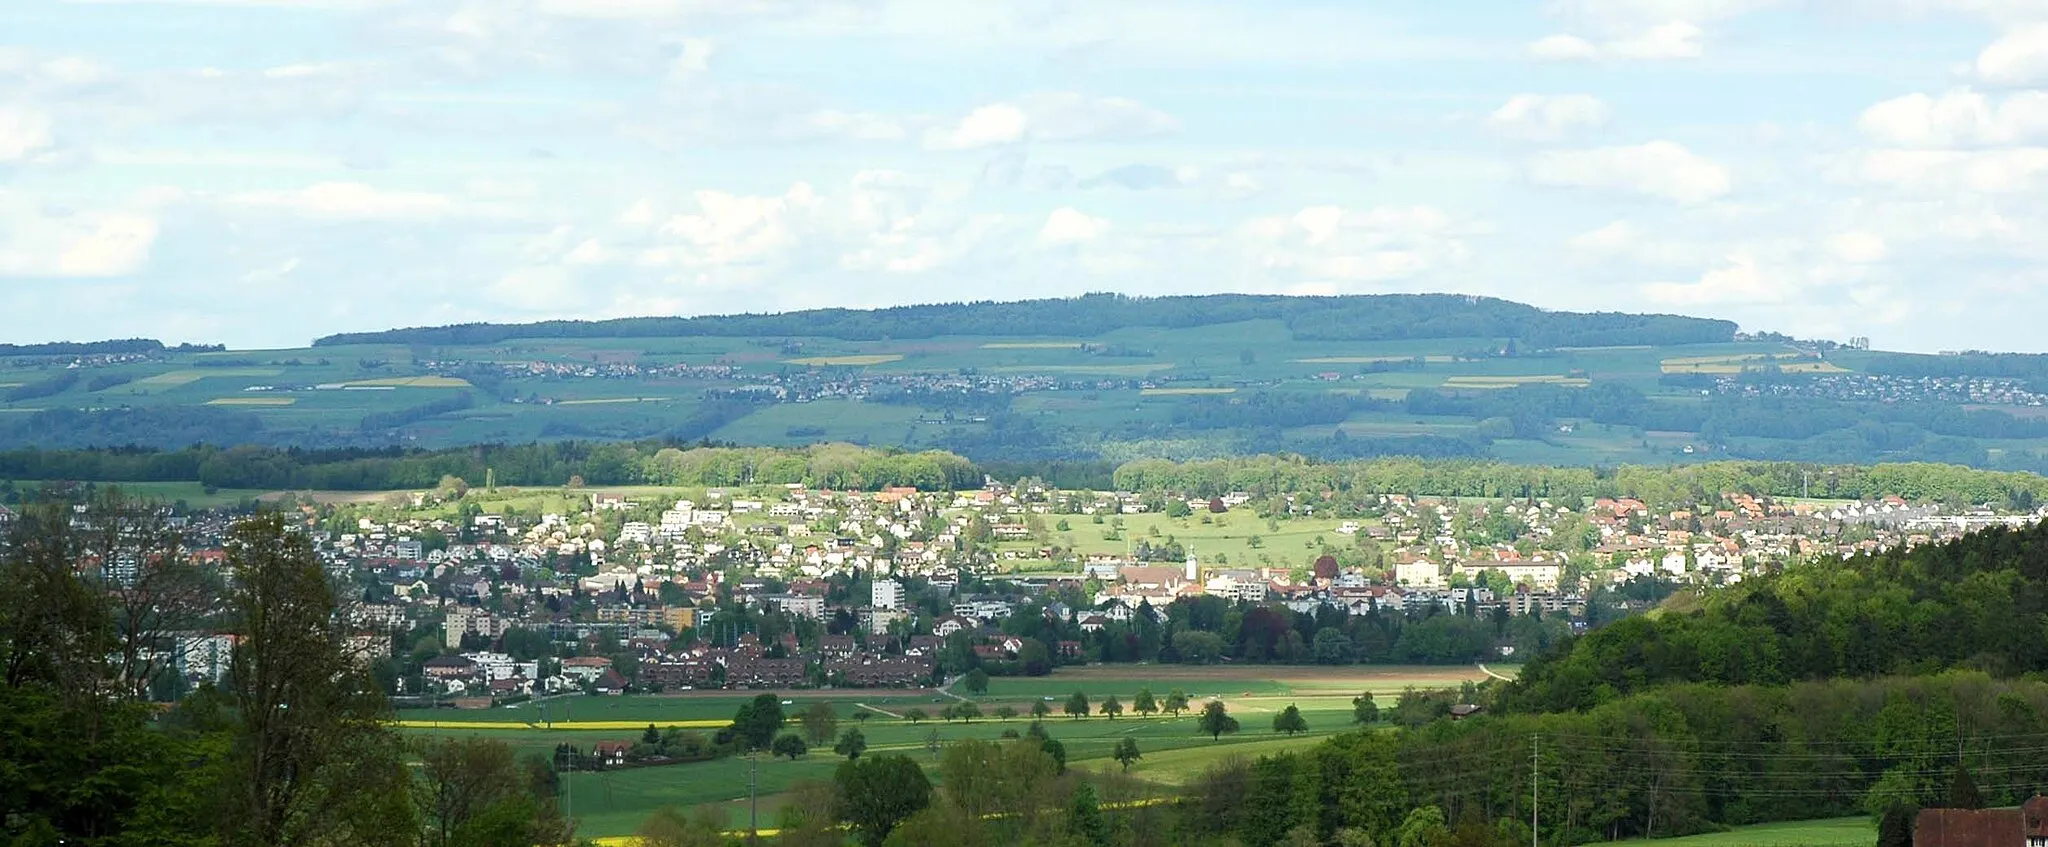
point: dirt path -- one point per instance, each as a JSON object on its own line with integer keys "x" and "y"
{"x": 879, "y": 711}
{"x": 1485, "y": 670}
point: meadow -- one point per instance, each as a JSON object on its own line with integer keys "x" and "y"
{"x": 613, "y": 803}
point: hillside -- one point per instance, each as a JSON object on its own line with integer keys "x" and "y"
{"x": 1099, "y": 378}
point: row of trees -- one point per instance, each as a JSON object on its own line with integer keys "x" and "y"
{"x": 844, "y": 466}
{"x": 1270, "y": 475}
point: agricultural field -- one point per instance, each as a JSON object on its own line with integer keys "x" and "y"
{"x": 613, "y": 803}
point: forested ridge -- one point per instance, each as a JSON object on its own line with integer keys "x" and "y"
{"x": 1347, "y": 318}
{"x": 1977, "y": 602}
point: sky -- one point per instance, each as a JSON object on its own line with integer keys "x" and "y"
{"x": 262, "y": 172}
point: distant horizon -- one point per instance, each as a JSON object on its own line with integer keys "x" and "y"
{"x": 311, "y": 342}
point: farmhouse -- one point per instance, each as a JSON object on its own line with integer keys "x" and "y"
{"x": 2026, "y": 826}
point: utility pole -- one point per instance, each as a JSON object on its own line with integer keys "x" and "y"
{"x": 754, "y": 796}
{"x": 1535, "y": 789}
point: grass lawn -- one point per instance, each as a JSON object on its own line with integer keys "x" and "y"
{"x": 1833, "y": 832}
{"x": 1227, "y": 538}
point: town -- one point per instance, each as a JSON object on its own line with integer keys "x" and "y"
{"x": 473, "y": 598}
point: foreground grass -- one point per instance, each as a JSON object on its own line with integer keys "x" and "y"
{"x": 1833, "y": 832}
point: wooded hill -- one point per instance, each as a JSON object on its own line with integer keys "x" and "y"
{"x": 1977, "y": 603}
{"x": 1347, "y": 318}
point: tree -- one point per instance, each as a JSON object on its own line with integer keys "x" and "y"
{"x": 1039, "y": 710}
{"x": 1331, "y": 646}
{"x": 1198, "y": 648}
{"x": 1112, "y": 708}
{"x": 472, "y": 791}
{"x": 1290, "y": 721}
{"x": 967, "y": 711}
{"x": 977, "y": 682}
{"x": 1143, "y": 704}
{"x": 758, "y": 721}
{"x": 1176, "y": 702}
{"x": 1084, "y": 817}
{"x": 821, "y": 722}
{"x": 876, "y": 794}
{"x": 1216, "y": 720}
{"x": 851, "y": 744}
{"x": 1962, "y": 790}
{"x": 791, "y": 745}
{"x": 1364, "y": 710}
{"x": 313, "y": 758}
{"x": 1127, "y": 752}
{"x": 669, "y": 827}
{"x": 1006, "y": 712}
{"x": 1077, "y": 706}
{"x": 1424, "y": 827}
{"x": 651, "y": 736}
{"x": 915, "y": 715}
{"x": 1895, "y": 828}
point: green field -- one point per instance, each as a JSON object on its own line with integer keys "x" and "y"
{"x": 193, "y": 494}
{"x": 1226, "y": 538}
{"x": 615, "y": 802}
{"x": 1833, "y": 832}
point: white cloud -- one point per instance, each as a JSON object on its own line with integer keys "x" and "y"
{"x": 1539, "y": 117}
{"x": 1055, "y": 116}
{"x": 1563, "y": 48}
{"x": 23, "y": 133}
{"x": 1068, "y": 225}
{"x": 1332, "y": 244}
{"x": 1858, "y": 247}
{"x": 1739, "y": 280}
{"x": 36, "y": 241}
{"x": 1611, "y": 239}
{"x": 1658, "y": 169}
{"x": 1634, "y": 13}
{"x": 2020, "y": 57}
{"x": 1670, "y": 40}
{"x": 1962, "y": 118}
{"x": 351, "y": 201}
{"x": 2012, "y": 170}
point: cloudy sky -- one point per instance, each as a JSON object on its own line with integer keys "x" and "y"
{"x": 260, "y": 172}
